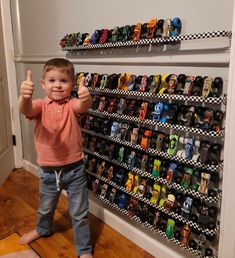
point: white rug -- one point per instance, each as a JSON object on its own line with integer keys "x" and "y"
{"x": 10, "y": 248}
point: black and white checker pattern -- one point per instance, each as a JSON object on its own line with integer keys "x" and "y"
{"x": 148, "y": 226}
{"x": 160, "y": 208}
{"x": 148, "y": 122}
{"x": 161, "y": 180}
{"x": 152, "y": 97}
{"x": 156, "y": 152}
{"x": 143, "y": 42}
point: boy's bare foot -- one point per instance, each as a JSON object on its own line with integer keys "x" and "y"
{"x": 86, "y": 256}
{"x": 29, "y": 237}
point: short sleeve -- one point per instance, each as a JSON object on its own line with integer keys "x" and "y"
{"x": 37, "y": 106}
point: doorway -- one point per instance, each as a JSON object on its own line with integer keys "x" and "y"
{"x": 7, "y": 162}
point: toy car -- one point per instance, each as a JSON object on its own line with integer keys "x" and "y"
{"x": 87, "y": 41}
{"x": 95, "y": 83}
{"x": 186, "y": 180}
{"x": 142, "y": 186}
{"x": 169, "y": 202}
{"x": 115, "y": 129}
{"x": 185, "y": 235}
{"x": 122, "y": 201}
{"x": 170, "y": 172}
{"x": 206, "y": 89}
{"x": 130, "y": 182}
{"x": 170, "y": 228}
{"x": 103, "y": 191}
{"x": 154, "y": 83}
{"x": 167, "y": 28}
{"x": 188, "y": 149}
{"x": 115, "y": 34}
{"x": 173, "y": 145}
{"x": 95, "y": 37}
{"x": 104, "y": 36}
{"x": 131, "y": 159}
{"x": 177, "y": 24}
{"x": 160, "y": 141}
{"x": 137, "y": 32}
{"x": 172, "y": 84}
{"x": 205, "y": 179}
{"x": 143, "y": 110}
{"x": 134, "y": 135}
{"x": 119, "y": 177}
{"x": 156, "y": 167}
{"x": 145, "y": 141}
{"x": 151, "y": 28}
{"x": 101, "y": 168}
{"x": 143, "y": 83}
{"x": 188, "y": 86}
{"x": 125, "y": 33}
{"x": 95, "y": 185}
{"x": 109, "y": 173}
{"x": 156, "y": 192}
{"x": 187, "y": 206}
{"x": 112, "y": 195}
{"x": 156, "y": 114}
{"x": 104, "y": 81}
{"x": 121, "y": 153}
{"x": 122, "y": 82}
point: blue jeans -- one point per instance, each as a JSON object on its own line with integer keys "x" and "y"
{"x": 71, "y": 178}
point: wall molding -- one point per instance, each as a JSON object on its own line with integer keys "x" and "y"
{"x": 186, "y": 53}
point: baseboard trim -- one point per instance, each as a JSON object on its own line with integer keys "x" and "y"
{"x": 153, "y": 244}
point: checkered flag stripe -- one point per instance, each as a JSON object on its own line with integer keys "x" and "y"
{"x": 156, "y": 152}
{"x": 160, "y": 180}
{"x": 152, "y": 97}
{"x": 162, "y": 209}
{"x": 148, "y": 122}
{"x": 173, "y": 214}
{"x": 143, "y": 42}
{"x": 164, "y": 154}
{"x": 147, "y": 225}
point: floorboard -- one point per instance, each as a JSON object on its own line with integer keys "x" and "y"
{"x": 18, "y": 204}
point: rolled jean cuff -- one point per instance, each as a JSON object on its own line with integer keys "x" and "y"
{"x": 87, "y": 251}
{"x": 43, "y": 232}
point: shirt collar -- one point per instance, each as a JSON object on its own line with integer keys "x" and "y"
{"x": 49, "y": 100}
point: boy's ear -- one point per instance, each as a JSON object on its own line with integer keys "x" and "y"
{"x": 42, "y": 83}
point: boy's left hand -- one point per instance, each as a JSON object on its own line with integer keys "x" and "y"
{"x": 83, "y": 92}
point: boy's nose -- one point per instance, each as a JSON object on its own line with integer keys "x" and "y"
{"x": 57, "y": 84}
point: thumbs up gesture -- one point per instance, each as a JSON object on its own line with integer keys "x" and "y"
{"x": 84, "y": 97}
{"x": 83, "y": 92}
{"x": 27, "y": 86}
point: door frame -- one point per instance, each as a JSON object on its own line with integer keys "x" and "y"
{"x": 12, "y": 80}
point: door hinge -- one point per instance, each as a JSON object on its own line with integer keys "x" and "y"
{"x": 14, "y": 140}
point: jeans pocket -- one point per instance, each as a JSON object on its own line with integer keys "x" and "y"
{"x": 48, "y": 178}
{"x": 76, "y": 175}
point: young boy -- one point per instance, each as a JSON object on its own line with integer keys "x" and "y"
{"x": 58, "y": 143}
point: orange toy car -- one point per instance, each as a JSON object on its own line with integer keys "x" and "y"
{"x": 151, "y": 28}
{"x": 137, "y": 32}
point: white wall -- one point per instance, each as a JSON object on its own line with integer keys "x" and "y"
{"x": 38, "y": 27}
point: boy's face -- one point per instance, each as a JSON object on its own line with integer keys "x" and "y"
{"x": 57, "y": 84}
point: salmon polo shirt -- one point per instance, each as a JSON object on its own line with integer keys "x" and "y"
{"x": 57, "y": 134}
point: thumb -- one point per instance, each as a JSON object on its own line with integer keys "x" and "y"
{"x": 29, "y": 76}
{"x": 82, "y": 82}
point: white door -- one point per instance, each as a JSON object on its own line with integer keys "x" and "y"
{"x": 6, "y": 145}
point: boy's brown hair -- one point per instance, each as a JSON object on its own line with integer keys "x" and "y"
{"x": 59, "y": 63}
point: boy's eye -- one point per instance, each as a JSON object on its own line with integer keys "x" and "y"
{"x": 63, "y": 81}
{"x": 51, "y": 80}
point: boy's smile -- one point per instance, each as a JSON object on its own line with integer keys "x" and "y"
{"x": 57, "y": 84}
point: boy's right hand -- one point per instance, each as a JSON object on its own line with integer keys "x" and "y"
{"x": 27, "y": 86}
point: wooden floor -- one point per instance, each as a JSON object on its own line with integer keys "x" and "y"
{"x": 18, "y": 204}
